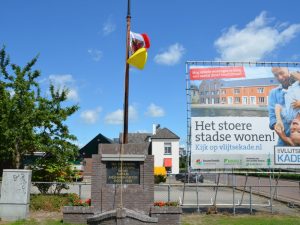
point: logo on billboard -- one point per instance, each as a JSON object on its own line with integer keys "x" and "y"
{"x": 287, "y": 155}
{"x": 232, "y": 162}
{"x": 199, "y": 162}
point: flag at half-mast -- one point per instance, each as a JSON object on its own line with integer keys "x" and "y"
{"x": 139, "y": 43}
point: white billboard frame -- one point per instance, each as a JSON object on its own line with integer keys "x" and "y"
{"x": 268, "y": 161}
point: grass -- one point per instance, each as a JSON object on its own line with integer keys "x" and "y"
{"x": 34, "y": 222}
{"x": 240, "y": 220}
{"x": 50, "y": 203}
{"x": 196, "y": 219}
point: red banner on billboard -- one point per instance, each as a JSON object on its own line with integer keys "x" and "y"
{"x": 209, "y": 73}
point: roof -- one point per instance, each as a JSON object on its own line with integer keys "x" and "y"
{"x": 250, "y": 82}
{"x": 164, "y": 133}
{"x": 92, "y": 147}
{"x": 136, "y": 137}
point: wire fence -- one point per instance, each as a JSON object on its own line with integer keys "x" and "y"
{"x": 210, "y": 192}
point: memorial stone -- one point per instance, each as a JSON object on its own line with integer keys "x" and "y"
{"x": 15, "y": 194}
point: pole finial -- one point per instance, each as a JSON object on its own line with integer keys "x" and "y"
{"x": 128, "y": 8}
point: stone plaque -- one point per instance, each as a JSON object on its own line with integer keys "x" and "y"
{"x": 15, "y": 194}
{"x": 130, "y": 172}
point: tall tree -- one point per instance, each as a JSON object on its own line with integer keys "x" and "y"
{"x": 30, "y": 122}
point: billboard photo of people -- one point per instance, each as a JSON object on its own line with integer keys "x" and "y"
{"x": 241, "y": 114}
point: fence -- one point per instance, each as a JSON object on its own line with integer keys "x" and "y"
{"x": 227, "y": 192}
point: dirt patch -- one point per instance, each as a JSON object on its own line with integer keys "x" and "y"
{"x": 44, "y": 215}
{"x": 41, "y": 216}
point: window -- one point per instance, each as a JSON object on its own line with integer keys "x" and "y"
{"x": 236, "y": 91}
{"x": 168, "y": 149}
{"x": 260, "y": 90}
{"x": 237, "y": 100}
{"x": 217, "y": 100}
{"x": 261, "y": 100}
{"x": 223, "y": 92}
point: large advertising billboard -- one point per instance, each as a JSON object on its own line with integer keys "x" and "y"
{"x": 244, "y": 116}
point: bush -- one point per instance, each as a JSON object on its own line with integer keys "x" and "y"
{"x": 49, "y": 170}
{"x": 74, "y": 200}
{"x": 159, "y": 179}
{"x": 54, "y": 203}
{"x": 51, "y": 203}
{"x": 161, "y": 203}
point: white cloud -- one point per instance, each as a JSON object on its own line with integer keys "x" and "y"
{"x": 95, "y": 54}
{"x": 91, "y": 116}
{"x": 256, "y": 40}
{"x": 116, "y": 117}
{"x": 108, "y": 27}
{"x": 65, "y": 81}
{"x": 155, "y": 111}
{"x": 73, "y": 95}
{"x": 61, "y": 80}
{"x": 172, "y": 56}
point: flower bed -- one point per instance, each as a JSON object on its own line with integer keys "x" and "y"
{"x": 161, "y": 203}
{"x": 74, "y": 200}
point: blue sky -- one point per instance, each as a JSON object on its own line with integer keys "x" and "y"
{"x": 81, "y": 45}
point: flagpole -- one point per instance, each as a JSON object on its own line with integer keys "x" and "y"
{"x": 126, "y": 94}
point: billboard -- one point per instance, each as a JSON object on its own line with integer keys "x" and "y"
{"x": 244, "y": 116}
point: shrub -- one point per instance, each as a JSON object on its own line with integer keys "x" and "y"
{"x": 74, "y": 200}
{"x": 161, "y": 203}
{"x": 160, "y": 174}
{"x": 159, "y": 179}
{"x": 54, "y": 203}
{"x": 49, "y": 202}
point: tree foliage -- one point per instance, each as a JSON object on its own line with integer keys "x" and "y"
{"x": 31, "y": 122}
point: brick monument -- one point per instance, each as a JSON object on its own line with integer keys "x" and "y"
{"x": 123, "y": 194}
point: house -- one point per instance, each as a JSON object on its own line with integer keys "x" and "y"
{"x": 235, "y": 92}
{"x": 247, "y": 92}
{"x": 91, "y": 148}
{"x": 165, "y": 148}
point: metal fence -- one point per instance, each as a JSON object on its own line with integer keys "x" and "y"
{"x": 230, "y": 192}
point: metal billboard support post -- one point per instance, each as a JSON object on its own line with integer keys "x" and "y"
{"x": 198, "y": 210}
{"x": 216, "y": 192}
{"x": 244, "y": 189}
{"x": 271, "y": 196}
{"x": 250, "y": 200}
{"x": 233, "y": 199}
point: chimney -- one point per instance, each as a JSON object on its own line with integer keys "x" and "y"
{"x": 154, "y": 129}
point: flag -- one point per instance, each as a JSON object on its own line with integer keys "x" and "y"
{"x": 139, "y": 43}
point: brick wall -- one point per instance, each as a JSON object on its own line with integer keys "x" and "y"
{"x": 77, "y": 214}
{"x": 138, "y": 197}
{"x": 87, "y": 167}
{"x": 167, "y": 215}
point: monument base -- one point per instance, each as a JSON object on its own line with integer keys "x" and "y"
{"x": 121, "y": 216}
{"x": 12, "y": 212}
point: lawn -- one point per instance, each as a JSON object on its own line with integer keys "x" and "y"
{"x": 193, "y": 219}
{"x": 196, "y": 219}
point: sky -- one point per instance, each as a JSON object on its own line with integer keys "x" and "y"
{"x": 81, "y": 46}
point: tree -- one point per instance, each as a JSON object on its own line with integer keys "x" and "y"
{"x": 30, "y": 122}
